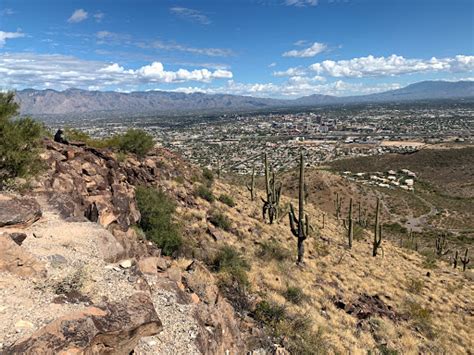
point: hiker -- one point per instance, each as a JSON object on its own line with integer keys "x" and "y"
{"x": 58, "y": 137}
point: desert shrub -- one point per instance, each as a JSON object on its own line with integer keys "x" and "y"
{"x": 421, "y": 317}
{"x": 134, "y": 141}
{"x": 208, "y": 176}
{"x": 294, "y": 294}
{"x": 269, "y": 313}
{"x": 157, "y": 211}
{"x": 293, "y": 331}
{"x": 227, "y": 200}
{"x": 220, "y": 220}
{"x": 430, "y": 260}
{"x": 272, "y": 250}
{"x": 20, "y": 142}
{"x": 205, "y": 193}
{"x": 230, "y": 261}
{"x": 415, "y": 285}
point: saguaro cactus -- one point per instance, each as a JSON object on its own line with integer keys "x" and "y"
{"x": 349, "y": 226}
{"x": 273, "y": 189}
{"x": 251, "y": 186}
{"x": 377, "y": 230}
{"x": 441, "y": 245}
{"x": 337, "y": 206}
{"x": 465, "y": 260}
{"x": 455, "y": 260}
{"x": 300, "y": 225}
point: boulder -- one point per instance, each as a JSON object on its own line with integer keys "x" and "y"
{"x": 16, "y": 260}
{"x": 108, "y": 328}
{"x": 18, "y": 211}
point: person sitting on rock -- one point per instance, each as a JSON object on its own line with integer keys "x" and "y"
{"x": 58, "y": 137}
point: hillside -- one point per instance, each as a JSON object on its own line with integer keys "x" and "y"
{"x": 75, "y": 101}
{"x": 233, "y": 286}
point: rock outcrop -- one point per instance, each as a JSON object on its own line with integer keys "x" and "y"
{"x": 18, "y": 212}
{"x": 14, "y": 259}
{"x": 108, "y": 328}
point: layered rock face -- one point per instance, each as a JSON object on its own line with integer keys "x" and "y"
{"x": 75, "y": 278}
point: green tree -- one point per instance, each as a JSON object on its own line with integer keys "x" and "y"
{"x": 20, "y": 141}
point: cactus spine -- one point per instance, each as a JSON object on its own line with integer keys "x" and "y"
{"x": 465, "y": 260}
{"x": 300, "y": 225}
{"x": 377, "y": 230}
{"x": 349, "y": 226}
{"x": 251, "y": 186}
{"x": 271, "y": 204}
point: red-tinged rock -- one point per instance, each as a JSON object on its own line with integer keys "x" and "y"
{"x": 18, "y": 212}
{"x": 108, "y": 328}
{"x": 14, "y": 259}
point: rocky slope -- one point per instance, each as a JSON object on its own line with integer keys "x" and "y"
{"x": 64, "y": 277}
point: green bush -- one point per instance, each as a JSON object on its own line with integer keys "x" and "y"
{"x": 220, "y": 220}
{"x": 294, "y": 294}
{"x": 269, "y": 313}
{"x": 272, "y": 250}
{"x": 208, "y": 176}
{"x": 227, "y": 200}
{"x": 230, "y": 261}
{"x": 135, "y": 141}
{"x": 420, "y": 316}
{"x": 205, "y": 193}
{"x": 157, "y": 211}
{"x": 20, "y": 142}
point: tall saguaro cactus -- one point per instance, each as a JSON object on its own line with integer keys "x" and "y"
{"x": 465, "y": 260}
{"x": 300, "y": 225}
{"x": 349, "y": 225}
{"x": 251, "y": 186}
{"x": 337, "y": 206}
{"x": 271, "y": 204}
{"x": 377, "y": 230}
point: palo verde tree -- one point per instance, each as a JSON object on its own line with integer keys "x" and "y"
{"x": 300, "y": 225}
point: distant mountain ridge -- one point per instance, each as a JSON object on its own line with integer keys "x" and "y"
{"x": 77, "y": 101}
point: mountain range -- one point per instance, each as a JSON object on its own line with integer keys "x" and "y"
{"x": 77, "y": 101}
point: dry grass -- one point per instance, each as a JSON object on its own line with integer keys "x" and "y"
{"x": 334, "y": 272}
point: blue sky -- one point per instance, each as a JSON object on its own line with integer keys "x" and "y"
{"x": 270, "y": 48}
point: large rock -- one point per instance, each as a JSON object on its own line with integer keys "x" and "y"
{"x": 108, "y": 328}
{"x": 14, "y": 259}
{"x": 18, "y": 212}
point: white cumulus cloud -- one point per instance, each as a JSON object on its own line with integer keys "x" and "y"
{"x": 9, "y": 35}
{"x": 77, "y": 16}
{"x": 391, "y": 66}
{"x": 21, "y": 70}
{"x": 312, "y": 51}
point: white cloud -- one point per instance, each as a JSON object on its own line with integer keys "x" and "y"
{"x": 272, "y": 65}
{"x": 312, "y": 51}
{"x": 391, "y": 66}
{"x": 9, "y": 35}
{"x": 77, "y": 16}
{"x": 7, "y": 12}
{"x": 295, "y": 71}
{"x": 301, "y": 3}
{"x": 99, "y": 16}
{"x": 291, "y": 89}
{"x": 211, "y": 52}
{"x": 191, "y": 15}
{"x": 22, "y": 70}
